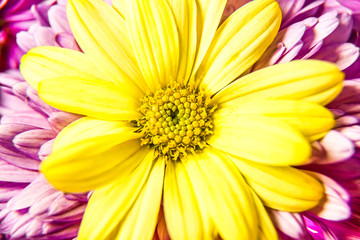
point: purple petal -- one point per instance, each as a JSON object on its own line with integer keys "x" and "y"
{"x": 30, "y": 194}
{"x": 11, "y": 173}
{"x": 61, "y": 205}
{"x": 25, "y": 40}
{"x": 43, "y": 201}
{"x": 59, "y": 120}
{"x": 342, "y": 33}
{"x": 66, "y": 40}
{"x": 45, "y": 150}
{"x": 58, "y": 19}
{"x": 342, "y": 54}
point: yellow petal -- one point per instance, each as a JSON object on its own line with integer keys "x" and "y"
{"x": 109, "y": 204}
{"x": 209, "y": 14}
{"x": 281, "y": 188}
{"x": 91, "y": 97}
{"x": 260, "y": 139}
{"x": 312, "y": 120}
{"x": 309, "y": 80}
{"x": 267, "y": 230}
{"x": 140, "y": 221}
{"x": 155, "y": 40}
{"x": 93, "y": 159}
{"x": 52, "y": 62}
{"x": 120, "y": 6}
{"x": 185, "y": 17}
{"x": 239, "y": 43}
{"x": 102, "y": 34}
{"x": 181, "y": 208}
{"x": 221, "y": 189}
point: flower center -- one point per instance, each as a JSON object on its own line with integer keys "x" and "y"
{"x": 176, "y": 120}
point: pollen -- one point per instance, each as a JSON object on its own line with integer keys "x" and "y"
{"x": 176, "y": 120}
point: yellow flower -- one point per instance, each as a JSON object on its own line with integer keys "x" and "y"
{"x": 168, "y": 121}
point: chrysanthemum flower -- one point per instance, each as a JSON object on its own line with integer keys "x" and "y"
{"x": 168, "y": 121}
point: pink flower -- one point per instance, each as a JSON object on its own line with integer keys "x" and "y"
{"x": 15, "y": 16}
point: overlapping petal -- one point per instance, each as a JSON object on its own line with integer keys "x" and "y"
{"x": 90, "y": 160}
{"x": 182, "y": 207}
{"x": 102, "y": 34}
{"x": 140, "y": 221}
{"x": 282, "y": 188}
{"x": 90, "y": 97}
{"x": 51, "y": 62}
{"x": 185, "y": 14}
{"x": 155, "y": 41}
{"x": 308, "y": 80}
{"x": 312, "y": 120}
{"x": 109, "y": 204}
{"x": 208, "y": 19}
{"x": 221, "y": 189}
{"x": 244, "y": 135}
{"x": 238, "y": 44}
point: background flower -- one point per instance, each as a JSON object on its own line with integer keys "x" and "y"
{"x": 16, "y": 16}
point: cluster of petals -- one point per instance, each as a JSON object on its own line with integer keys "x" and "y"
{"x": 54, "y": 31}
{"x": 30, "y": 208}
{"x": 122, "y": 207}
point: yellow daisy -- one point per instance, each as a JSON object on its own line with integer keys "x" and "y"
{"x": 167, "y": 120}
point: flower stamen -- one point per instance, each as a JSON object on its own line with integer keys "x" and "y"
{"x": 176, "y": 120}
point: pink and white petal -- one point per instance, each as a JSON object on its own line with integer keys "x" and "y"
{"x": 335, "y": 206}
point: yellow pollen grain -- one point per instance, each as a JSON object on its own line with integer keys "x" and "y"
{"x": 176, "y": 120}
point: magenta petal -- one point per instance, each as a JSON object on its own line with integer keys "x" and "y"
{"x": 342, "y": 32}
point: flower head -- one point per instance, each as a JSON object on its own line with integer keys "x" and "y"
{"x": 167, "y": 119}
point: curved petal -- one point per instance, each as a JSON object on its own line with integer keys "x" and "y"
{"x": 120, "y": 6}
{"x": 260, "y": 139}
{"x": 239, "y": 43}
{"x": 89, "y": 162}
{"x": 209, "y": 14}
{"x": 109, "y": 204}
{"x": 181, "y": 207}
{"x": 141, "y": 219}
{"x": 102, "y": 35}
{"x": 52, "y": 62}
{"x": 91, "y": 97}
{"x": 282, "y": 188}
{"x": 267, "y": 229}
{"x": 185, "y": 17}
{"x": 309, "y": 80}
{"x": 312, "y": 120}
{"x": 225, "y": 195}
{"x": 155, "y": 41}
